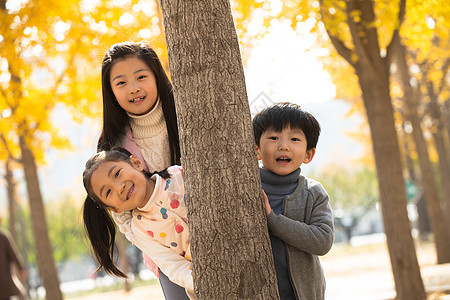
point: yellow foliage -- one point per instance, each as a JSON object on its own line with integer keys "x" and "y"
{"x": 246, "y": 14}
{"x": 425, "y": 31}
{"x": 52, "y": 53}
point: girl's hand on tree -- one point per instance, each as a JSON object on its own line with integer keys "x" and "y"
{"x": 266, "y": 204}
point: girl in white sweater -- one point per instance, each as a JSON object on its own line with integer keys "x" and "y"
{"x": 139, "y": 115}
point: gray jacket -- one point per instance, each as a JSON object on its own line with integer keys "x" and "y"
{"x": 307, "y": 229}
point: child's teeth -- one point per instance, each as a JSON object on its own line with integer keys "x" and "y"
{"x": 284, "y": 158}
{"x": 137, "y": 99}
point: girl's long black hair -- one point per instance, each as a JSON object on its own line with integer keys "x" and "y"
{"x": 115, "y": 119}
{"x": 98, "y": 223}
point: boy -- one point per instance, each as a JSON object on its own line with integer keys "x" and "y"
{"x": 299, "y": 217}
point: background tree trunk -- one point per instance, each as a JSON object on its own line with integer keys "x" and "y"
{"x": 373, "y": 76}
{"x": 438, "y": 131}
{"x": 10, "y": 187}
{"x": 44, "y": 252}
{"x": 397, "y": 226}
{"x": 447, "y": 118}
{"x": 230, "y": 244}
{"x": 423, "y": 224}
{"x": 435, "y": 211}
{"x": 11, "y": 195}
{"x": 124, "y": 263}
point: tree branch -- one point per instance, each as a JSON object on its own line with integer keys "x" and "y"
{"x": 443, "y": 81}
{"x": 3, "y": 92}
{"x": 340, "y": 47}
{"x": 396, "y": 35}
{"x": 338, "y": 44}
{"x": 354, "y": 27}
{"x": 5, "y": 143}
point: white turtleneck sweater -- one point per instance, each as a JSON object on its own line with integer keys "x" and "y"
{"x": 150, "y": 134}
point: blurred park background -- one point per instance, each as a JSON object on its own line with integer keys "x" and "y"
{"x": 50, "y": 118}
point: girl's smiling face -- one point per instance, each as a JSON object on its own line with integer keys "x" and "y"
{"x": 134, "y": 85}
{"x": 121, "y": 185}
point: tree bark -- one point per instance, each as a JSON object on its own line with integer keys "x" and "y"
{"x": 231, "y": 253}
{"x": 434, "y": 209}
{"x": 373, "y": 76}
{"x": 16, "y": 225}
{"x": 44, "y": 253}
{"x": 431, "y": 194}
{"x": 124, "y": 263}
{"x": 447, "y": 118}
{"x": 10, "y": 187}
{"x": 397, "y": 227}
{"x": 423, "y": 224}
{"x": 441, "y": 148}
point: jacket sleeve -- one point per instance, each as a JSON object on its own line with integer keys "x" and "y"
{"x": 317, "y": 236}
{"x": 123, "y": 221}
{"x": 173, "y": 265}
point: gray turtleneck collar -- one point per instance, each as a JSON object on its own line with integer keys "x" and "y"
{"x": 278, "y": 187}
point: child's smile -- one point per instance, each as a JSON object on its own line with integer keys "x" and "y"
{"x": 130, "y": 192}
{"x": 137, "y": 99}
{"x": 283, "y": 160}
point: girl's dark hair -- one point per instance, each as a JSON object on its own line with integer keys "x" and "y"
{"x": 115, "y": 119}
{"x": 98, "y": 223}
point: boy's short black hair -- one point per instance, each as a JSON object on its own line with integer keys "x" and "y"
{"x": 285, "y": 114}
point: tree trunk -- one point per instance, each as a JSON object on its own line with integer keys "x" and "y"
{"x": 434, "y": 209}
{"x": 124, "y": 264}
{"x": 231, "y": 253}
{"x": 397, "y": 227}
{"x": 10, "y": 187}
{"x": 439, "y": 140}
{"x": 373, "y": 76}
{"x": 423, "y": 224}
{"x": 431, "y": 194}
{"x": 44, "y": 254}
{"x": 447, "y": 118}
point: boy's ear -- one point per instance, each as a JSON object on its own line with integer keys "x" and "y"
{"x": 309, "y": 155}
{"x": 136, "y": 163}
{"x": 257, "y": 152}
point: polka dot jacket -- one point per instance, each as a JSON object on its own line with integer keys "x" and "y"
{"x": 164, "y": 217}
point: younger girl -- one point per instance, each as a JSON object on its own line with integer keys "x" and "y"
{"x": 139, "y": 115}
{"x": 151, "y": 210}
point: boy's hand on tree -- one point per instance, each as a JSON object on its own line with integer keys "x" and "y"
{"x": 266, "y": 204}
